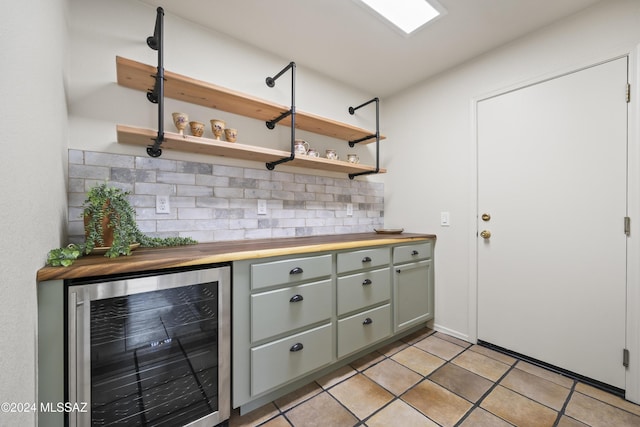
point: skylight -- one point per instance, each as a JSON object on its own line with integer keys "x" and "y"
{"x": 407, "y": 15}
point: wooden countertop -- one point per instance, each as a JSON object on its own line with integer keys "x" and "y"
{"x": 144, "y": 259}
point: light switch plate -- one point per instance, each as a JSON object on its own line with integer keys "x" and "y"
{"x": 444, "y": 219}
{"x": 262, "y": 207}
{"x": 349, "y": 209}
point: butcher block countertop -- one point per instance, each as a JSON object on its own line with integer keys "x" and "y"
{"x": 144, "y": 259}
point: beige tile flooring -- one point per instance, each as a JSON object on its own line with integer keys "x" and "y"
{"x": 432, "y": 379}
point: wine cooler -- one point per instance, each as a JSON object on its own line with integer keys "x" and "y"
{"x": 151, "y": 349}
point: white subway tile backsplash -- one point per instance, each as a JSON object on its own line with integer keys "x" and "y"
{"x": 76, "y": 157}
{"x": 156, "y": 164}
{"x": 229, "y": 171}
{"x": 109, "y": 160}
{"x": 154, "y": 189}
{"x": 212, "y": 181}
{"x": 252, "y": 193}
{"x": 211, "y": 202}
{"x": 194, "y": 168}
{"x": 228, "y": 193}
{"x": 194, "y": 190}
{"x": 89, "y": 172}
{"x": 176, "y": 178}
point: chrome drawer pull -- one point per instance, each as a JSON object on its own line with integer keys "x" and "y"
{"x": 414, "y": 252}
{"x": 366, "y": 259}
{"x": 296, "y": 298}
{"x": 367, "y": 321}
{"x": 367, "y": 282}
{"x": 296, "y": 347}
{"x": 296, "y": 270}
{"x": 398, "y": 271}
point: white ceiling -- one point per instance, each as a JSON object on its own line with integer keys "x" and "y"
{"x": 344, "y": 40}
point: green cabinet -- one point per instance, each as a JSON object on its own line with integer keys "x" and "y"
{"x": 299, "y": 316}
{"x": 412, "y": 285}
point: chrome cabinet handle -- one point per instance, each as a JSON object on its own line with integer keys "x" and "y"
{"x": 296, "y": 347}
{"x": 366, "y": 282}
{"x": 296, "y": 298}
{"x": 296, "y": 270}
{"x": 366, "y": 259}
{"x": 414, "y": 252}
{"x": 367, "y": 321}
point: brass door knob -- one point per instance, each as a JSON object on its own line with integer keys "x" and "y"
{"x": 486, "y": 217}
{"x": 485, "y": 234}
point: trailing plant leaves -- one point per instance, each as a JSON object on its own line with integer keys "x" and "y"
{"x": 112, "y": 203}
{"x": 64, "y": 256}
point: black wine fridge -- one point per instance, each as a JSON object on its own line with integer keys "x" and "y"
{"x": 150, "y": 350}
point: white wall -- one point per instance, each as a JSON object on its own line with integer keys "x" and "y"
{"x": 431, "y": 124}
{"x": 33, "y": 142}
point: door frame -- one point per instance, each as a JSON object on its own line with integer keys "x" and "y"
{"x": 632, "y": 335}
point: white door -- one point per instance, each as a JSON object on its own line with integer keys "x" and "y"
{"x": 552, "y": 176}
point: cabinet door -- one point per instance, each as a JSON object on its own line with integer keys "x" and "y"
{"x": 413, "y": 290}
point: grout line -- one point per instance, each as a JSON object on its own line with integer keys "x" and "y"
{"x": 566, "y": 403}
{"x": 484, "y": 396}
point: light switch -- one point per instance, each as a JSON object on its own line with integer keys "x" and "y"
{"x": 262, "y": 207}
{"x": 444, "y": 219}
{"x": 349, "y": 209}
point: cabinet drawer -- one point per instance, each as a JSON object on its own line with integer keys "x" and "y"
{"x": 363, "y": 289}
{"x": 283, "y": 310}
{"x": 410, "y": 253}
{"x": 367, "y": 258}
{"x": 362, "y": 329}
{"x": 283, "y": 360}
{"x": 289, "y": 271}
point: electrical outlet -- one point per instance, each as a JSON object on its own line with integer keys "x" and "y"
{"x": 349, "y": 209}
{"x": 162, "y": 205}
{"x": 262, "y": 207}
{"x": 444, "y": 219}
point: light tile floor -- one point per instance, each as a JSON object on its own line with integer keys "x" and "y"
{"x": 432, "y": 379}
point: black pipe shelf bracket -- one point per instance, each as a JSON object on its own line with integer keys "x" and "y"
{"x": 352, "y": 144}
{"x": 271, "y": 124}
{"x": 156, "y": 95}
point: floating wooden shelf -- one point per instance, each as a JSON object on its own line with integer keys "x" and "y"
{"x": 136, "y": 75}
{"x": 191, "y": 144}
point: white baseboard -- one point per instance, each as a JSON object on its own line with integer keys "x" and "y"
{"x": 453, "y": 333}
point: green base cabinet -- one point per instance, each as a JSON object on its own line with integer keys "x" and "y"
{"x": 297, "y": 317}
{"x": 412, "y": 285}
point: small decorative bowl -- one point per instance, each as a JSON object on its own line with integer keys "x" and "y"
{"x": 197, "y": 128}
{"x": 231, "y": 134}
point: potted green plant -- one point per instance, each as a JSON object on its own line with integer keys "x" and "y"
{"x": 109, "y": 222}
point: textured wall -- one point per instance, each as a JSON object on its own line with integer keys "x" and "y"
{"x": 213, "y": 202}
